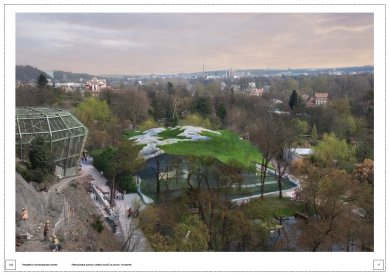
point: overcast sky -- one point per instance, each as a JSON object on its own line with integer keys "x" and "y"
{"x": 128, "y": 43}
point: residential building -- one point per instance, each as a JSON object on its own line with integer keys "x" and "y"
{"x": 321, "y": 98}
{"x": 95, "y": 86}
{"x": 317, "y": 100}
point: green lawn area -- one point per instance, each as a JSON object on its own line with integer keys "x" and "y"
{"x": 227, "y": 147}
{"x": 272, "y": 206}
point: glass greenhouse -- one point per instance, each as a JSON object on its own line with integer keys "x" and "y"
{"x": 65, "y": 134}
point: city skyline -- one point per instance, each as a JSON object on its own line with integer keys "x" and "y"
{"x": 158, "y": 43}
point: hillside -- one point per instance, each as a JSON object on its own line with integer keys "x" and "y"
{"x": 62, "y": 76}
{"x": 29, "y": 73}
{"x": 68, "y": 205}
{"x": 223, "y": 145}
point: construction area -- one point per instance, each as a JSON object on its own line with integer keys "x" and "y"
{"x": 74, "y": 215}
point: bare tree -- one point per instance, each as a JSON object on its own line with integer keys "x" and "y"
{"x": 132, "y": 235}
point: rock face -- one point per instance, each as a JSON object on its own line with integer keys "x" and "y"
{"x": 71, "y": 212}
{"x": 41, "y": 206}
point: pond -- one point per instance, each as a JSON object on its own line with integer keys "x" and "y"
{"x": 173, "y": 173}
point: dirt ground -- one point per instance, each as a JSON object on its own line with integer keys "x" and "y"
{"x": 71, "y": 212}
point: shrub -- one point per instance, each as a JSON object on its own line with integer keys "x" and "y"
{"x": 127, "y": 182}
{"x": 98, "y": 225}
{"x": 148, "y": 124}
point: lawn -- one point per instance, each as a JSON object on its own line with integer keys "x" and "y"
{"x": 227, "y": 147}
{"x": 273, "y": 207}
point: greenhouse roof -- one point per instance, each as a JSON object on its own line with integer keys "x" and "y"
{"x": 39, "y": 112}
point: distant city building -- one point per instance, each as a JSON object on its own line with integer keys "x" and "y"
{"x": 95, "y": 86}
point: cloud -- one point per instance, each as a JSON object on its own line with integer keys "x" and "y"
{"x": 180, "y": 42}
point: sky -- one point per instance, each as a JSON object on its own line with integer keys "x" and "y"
{"x": 157, "y": 43}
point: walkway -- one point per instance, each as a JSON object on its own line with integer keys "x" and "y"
{"x": 127, "y": 226}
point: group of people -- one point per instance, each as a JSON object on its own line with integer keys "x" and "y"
{"x": 54, "y": 242}
{"x": 133, "y": 213}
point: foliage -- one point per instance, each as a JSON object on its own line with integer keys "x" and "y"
{"x": 148, "y": 124}
{"x": 39, "y": 154}
{"x": 196, "y": 120}
{"x": 102, "y": 159}
{"x": 221, "y": 111}
{"x": 333, "y": 151}
{"x": 331, "y": 203}
{"x": 314, "y": 135}
{"x": 42, "y": 81}
{"x": 29, "y": 175}
{"x": 93, "y": 111}
{"x": 202, "y": 106}
{"x": 301, "y": 126}
{"x": 364, "y": 172}
{"x": 267, "y": 208}
{"x": 126, "y": 182}
{"x": 164, "y": 225}
{"x": 191, "y": 235}
{"x": 293, "y": 99}
{"x": 118, "y": 163}
{"x": 98, "y": 225}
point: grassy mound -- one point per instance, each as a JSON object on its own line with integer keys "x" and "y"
{"x": 227, "y": 147}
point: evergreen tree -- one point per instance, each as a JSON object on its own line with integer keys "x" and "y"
{"x": 42, "y": 81}
{"x": 221, "y": 111}
{"x": 202, "y": 106}
{"x": 293, "y": 100}
{"x": 39, "y": 154}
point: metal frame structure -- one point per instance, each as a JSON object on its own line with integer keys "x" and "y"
{"x": 64, "y": 132}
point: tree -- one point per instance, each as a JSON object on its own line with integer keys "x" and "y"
{"x": 364, "y": 172}
{"x": 314, "y": 135}
{"x": 132, "y": 233}
{"x": 268, "y": 136}
{"x": 196, "y": 120}
{"x": 326, "y": 194}
{"x": 288, "y": 132}
{"x": 332, "y": 151}
{"x": 293, "y": 100}
{"x": 41, "y": 82}
{"x": 202, "y": 106}
{"x": 191, "y": 235}
{"x": 133, "y": 105}
{"x": 93, "y": 111}
{"x": 102, "y": 124}
{"x": 39, "y": 154}
{"x": 114, "y": 161}
{"x": 221, "y": 111}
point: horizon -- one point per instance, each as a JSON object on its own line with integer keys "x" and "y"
{"x": 194, "y": 72}
{"x": 173, "y": 43}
